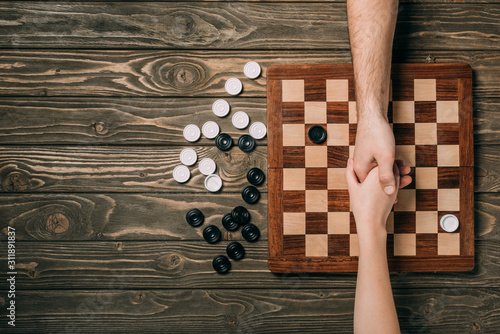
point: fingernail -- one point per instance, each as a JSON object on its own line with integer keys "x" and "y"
{"x": 389, "y": 189}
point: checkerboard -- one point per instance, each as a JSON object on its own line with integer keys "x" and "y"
{"x": 311, "y": 227}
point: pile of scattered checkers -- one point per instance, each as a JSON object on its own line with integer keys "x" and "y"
{"x": 223, "y": 141}
{"x": 239, "y": 216}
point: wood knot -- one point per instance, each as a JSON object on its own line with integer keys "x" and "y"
{"x": 476, "y": 327}
{"x": 57, "y": 223}
{"x": 33, "y": 274}
{"x": 430, "y": 59}
{"x": 183, "y": 26}
{"x": 100, "y": 128}
{"x": 15, "y": 182}
{"x": 171, "y": 262}
{"x": 119, "y": 245}
{"x": 231, "y": 320}
{"x": 138, "y": 298}
{"x": 184, "y": 75}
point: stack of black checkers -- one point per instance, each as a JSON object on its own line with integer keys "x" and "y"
{"x": 239, "y": 216}
{"x": 251, "y": 194}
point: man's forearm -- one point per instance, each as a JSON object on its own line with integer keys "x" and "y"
{"x": 371, "y": 32}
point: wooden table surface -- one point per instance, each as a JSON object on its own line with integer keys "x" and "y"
{"x": 93, "y": 100}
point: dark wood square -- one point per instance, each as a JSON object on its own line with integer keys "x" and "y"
{"x": 448, "y": 133}
{"x": 316, "y": 222}
{"x": 425, "y": 155}
{"x": 448, "y": 177}
{"x": 337, "y": 112}
{"x": 315, "y": 90}
{"x": 352, "y": 224}
{"x": 338, "y": 200}
{"x": 402, "y": 89}
{"x": 427, "y": 244}
{"x": 294, "y": 157}
{"x": 293, "y": 112}
{"x": 294, "y": 245}
{"x": 316, "y": 178}
{"x": 352, "y": 93}
{"x": 338, "y": 156}
{"x": 353, "y": 128}
{"x": 390, "y": 112}
{"x": 294, "y": 201}
{"x": 404, "y": 133}
{"x": 425, "y": 112}
{"x": 447, "y": 89}
{"x": 338, "y": 245}
{"x": 308, "y": 141}
{"x": 442, "y": 213}
{"x": 390, "y": 245}
{"x": 404, "y": 222}
{"x": 426, "y": 199}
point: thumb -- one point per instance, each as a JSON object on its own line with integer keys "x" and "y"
{"x": 386, "y": 176}
{"x": 350, "y": 176}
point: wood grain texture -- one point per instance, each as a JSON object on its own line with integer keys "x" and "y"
{"x": 234, "y": 26}
{"x": 120, "y": 216}
{"x": 253, "y": 311}
{"x": 123, "y": 169}
{"x": 152, "y": 121}
{"x": 118, "y": 121}
{"x": 156, "y": 216}
{"x": 189, "y": 73}
{"x": 188, "y": 265}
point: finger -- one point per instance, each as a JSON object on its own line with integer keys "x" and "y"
{"x": 350, "y": 176}
{"x": 403, "y": 168}
{"x": 386, "y": 176}
{"x": 405, "y": 180}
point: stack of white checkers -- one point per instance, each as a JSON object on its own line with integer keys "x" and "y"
{"x": 211, "y": 130}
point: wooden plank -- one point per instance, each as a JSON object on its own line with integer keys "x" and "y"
{"x": 188, "y": 73}
{"x": 188, "y": 265}
{"x": 120, "y": 216}
{"x": 122, "y": 169}
{"x": 152, "y": 121}
{"x": 219, "y": 25}
{"x": 116, "y": 121}
{"x": 252, "y": 311}
{"x": 155, "y": 216}
{"x": 149, "y": 169}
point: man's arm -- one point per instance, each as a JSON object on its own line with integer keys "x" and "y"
{"x": 371, "y": 31}
{"x": 374, "y": 310}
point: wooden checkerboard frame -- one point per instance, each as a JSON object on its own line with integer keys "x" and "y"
{"x": 311, "y": 228}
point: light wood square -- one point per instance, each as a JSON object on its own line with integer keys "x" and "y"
{"x": 351, "y": 151}
{"x": 425, "y": 133}
{"x": 448, "y": 199}
{"x": 406, "y": 153}
{"x": 447, "y": 111}
{"x": 294, "y": 223}
{"x": 448, "y": 155}
{"x": 316, "y": 156}
{"x": 339, "y": 223}
{"x": 406, "y": 200}
{"x": 449, "y": 244}
{"x": 315, "y": 112}
{"x": 294, "y": 179}
{"x": 316, "y": 245}
{"x": 294, "y": 135}
{"x": 337, "y": 90}
{"x": 426, "y": 222}
{"x": 337, "y": 134}
{"x": 316, "y": 200}
{"x": 336, "y": 179}
{"x": 403, "y": 112}
{"x": 405, "y": 244}
{"x": 353, "y": 245}
{"x": 426, "y": 177}
{"x": 389, "y": 224}
{"x": 292, "y": 90}
{"x": 353, "y": 112}
{"x": 425, "y": 89}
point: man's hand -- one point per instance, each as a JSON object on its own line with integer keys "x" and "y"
{"x": 375, "y": 146}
